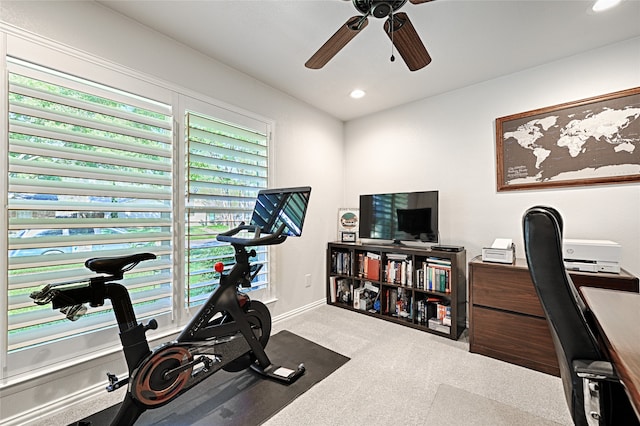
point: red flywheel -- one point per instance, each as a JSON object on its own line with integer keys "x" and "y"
{"x": 150, "y": 385}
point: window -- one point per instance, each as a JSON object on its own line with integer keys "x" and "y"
{"x": 90, "y": 174}
{"x": 227, "y": 166}
{"x": 94, "y": 171}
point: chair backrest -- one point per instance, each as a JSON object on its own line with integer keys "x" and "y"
{"x": 565, "y": 310}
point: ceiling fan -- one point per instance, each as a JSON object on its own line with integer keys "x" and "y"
{"x": 397, "y": 26}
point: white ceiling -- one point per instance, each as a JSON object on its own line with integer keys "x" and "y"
{"x": 469, "y": 40}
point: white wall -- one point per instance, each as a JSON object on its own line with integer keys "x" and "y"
{"x": 302, "y": 133}
{"x": 447, "y": 143}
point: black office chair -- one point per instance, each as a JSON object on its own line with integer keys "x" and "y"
{"x": 593, "y": 391}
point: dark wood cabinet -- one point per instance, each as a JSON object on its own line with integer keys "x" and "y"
{"x": 506, "y": 320}
{"x": 417, "y": 287}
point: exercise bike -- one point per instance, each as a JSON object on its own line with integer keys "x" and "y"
{"x": 229, "y": 332}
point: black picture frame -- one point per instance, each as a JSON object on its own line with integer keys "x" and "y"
{"x": 347, "y": 237}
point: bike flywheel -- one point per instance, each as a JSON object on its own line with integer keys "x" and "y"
{"x": 151, "y": 387}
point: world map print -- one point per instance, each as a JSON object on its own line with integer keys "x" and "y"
{"x": 588, "y": 141}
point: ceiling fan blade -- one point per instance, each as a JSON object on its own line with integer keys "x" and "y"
{"x": 407, "y": 41}
{"x": 344, "y": 35}
{"x": 419, "y": 1}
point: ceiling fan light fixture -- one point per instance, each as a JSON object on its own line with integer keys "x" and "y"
{"x": 357, "y": 93}
{"x": 381, "y": 9}
{"x": 602, "y": 5}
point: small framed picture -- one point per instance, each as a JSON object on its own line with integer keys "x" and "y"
{"x": 348, "y": 222}
{"x": 347, "y": 237}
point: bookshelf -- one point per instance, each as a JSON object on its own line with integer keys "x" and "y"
{"x": 416, "y": 287}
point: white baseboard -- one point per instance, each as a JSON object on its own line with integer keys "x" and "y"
{"x": 41, "y": 412}
{"x": 298, "y": 311}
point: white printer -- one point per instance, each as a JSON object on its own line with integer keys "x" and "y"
{"x": 591, "y": 255}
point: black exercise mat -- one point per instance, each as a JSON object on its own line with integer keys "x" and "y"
{"x": 243, "y": 398}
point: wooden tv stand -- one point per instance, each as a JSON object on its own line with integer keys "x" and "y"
{"x": 506, "y": 320}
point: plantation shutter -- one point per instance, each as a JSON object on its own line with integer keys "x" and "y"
{"x": 227, "y": 166}
{"x": 89, "y": 176}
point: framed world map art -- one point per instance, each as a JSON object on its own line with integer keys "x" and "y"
{"x": 591, "y": 141}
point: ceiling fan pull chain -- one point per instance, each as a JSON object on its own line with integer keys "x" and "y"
{"x": 393, "y": 58}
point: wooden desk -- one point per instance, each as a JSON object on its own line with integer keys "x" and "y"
{"x": 617, "y": 314}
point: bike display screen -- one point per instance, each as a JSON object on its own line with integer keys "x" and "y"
{"x": 275, "y": 207}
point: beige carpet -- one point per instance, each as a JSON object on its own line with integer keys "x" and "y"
{"x": 472, "y": 410}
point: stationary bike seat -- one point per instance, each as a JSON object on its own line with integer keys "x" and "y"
{"x": 116, "y": 265}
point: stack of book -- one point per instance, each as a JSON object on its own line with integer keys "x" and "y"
{"x": 341, "y": 262}
{"x": 442, "y": 320}
{"x": 434, "y": 275}
{"x": 369, "y": 266}
{"x": 399, "y": 270}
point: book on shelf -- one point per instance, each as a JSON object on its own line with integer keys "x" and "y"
{"x": 427, "y": 308}
{"x": 341, "y": 262}
{"x": 332, "y": 289}
{"x": 441, "y": 321}
{"x": 420, "y": 278}
{"x": 391, "y": 296}
{"x": 439, "y": 261}
{"x": 356, "y": 297}
{"x": 399, "y": 270}
{"x": 443, "y": 313}
{"x": 343, "y": 289}
{"x": 435, "y": 275}
{"x": 437, "y": 325}
{"x": 406, "y": 309}
{"x": 396, "y": 256}
{"x": 369, "y": 266}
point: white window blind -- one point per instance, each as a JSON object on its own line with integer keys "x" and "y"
{"x": 227, "y": 165}
{"x": 90, "y": 175}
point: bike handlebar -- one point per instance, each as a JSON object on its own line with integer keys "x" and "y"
{"x": 257, "y": 240}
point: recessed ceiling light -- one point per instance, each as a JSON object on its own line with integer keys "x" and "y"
{"x": 601, "y": 5}
{"x": 357, "y": 94}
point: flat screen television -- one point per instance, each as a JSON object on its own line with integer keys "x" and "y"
{"x": 400, "y": 217}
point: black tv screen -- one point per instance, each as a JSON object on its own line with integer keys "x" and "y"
{"x": 401, "y": 216}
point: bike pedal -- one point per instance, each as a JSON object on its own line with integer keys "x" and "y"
{"x": 114, "y": 383}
